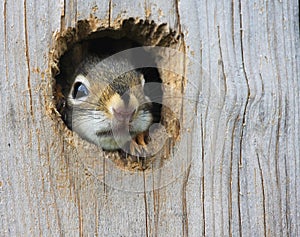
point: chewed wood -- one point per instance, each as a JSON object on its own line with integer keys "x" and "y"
{"x": 235, "y": 170}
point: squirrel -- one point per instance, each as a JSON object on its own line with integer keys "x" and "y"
{"x": 107, "y": 105}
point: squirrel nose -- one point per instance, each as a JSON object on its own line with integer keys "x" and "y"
{"x": 123, "y": 114}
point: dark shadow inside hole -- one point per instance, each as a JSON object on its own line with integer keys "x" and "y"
{"x": 104, "y": 44}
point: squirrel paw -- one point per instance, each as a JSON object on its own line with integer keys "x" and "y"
{"x": 138, "y": 146}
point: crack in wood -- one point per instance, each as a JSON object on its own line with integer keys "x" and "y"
{"x": 202, "y": 178}
{"x": 155, "y": 194}
{"x": 145, "y": 205}
{"x": 185, "y": 221}
{"x": 5, "y": 38}
{"x": 245, "y": 106}
{"x": 263, "y": 194}
{"x": 28, "y": 60}
{"x": 110, "y": 13}
{"x": 63, "y": 16}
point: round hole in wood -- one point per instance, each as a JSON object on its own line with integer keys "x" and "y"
{"x": 74, "y": 46}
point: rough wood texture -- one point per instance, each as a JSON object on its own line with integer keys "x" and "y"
{"x": 244, "y": 178}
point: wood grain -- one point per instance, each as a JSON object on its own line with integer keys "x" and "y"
{"x": 242, "y": 172}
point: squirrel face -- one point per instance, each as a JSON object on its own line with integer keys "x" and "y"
{"x": 105, "y": 108}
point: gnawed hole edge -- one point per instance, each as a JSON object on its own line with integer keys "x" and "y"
{"x": 76, "y": 42}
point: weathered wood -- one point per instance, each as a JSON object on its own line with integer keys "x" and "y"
{"x": 243, "y": 179}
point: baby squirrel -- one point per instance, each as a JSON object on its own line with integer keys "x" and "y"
{"x": 107, "y": 108}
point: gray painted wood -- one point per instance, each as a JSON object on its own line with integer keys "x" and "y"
{"x": 244, "y": 145}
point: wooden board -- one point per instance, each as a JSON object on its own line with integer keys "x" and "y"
{"x": 243, "y": 80}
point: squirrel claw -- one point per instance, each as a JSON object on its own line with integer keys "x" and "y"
{"x": 140, "y": 139}
{"x": 138, "y": 146}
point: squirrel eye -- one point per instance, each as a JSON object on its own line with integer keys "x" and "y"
{"x": 80, "y": 90}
